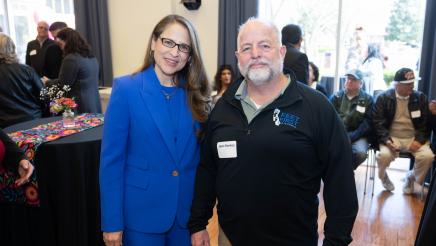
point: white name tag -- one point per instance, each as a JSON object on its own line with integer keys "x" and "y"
{"x": 32, "y": 53}
{"x": 416, "y": 114}
{"x": 227, "y": 149}
{"x": 360, "y": 109}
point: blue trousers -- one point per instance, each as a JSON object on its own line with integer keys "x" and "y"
{"x": 175, "y": 236}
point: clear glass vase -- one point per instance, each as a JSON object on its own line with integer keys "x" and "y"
{"x": 68, "y": 118}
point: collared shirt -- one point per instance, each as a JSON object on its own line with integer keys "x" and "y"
{"x": 251, "y": 109}
{"x": 401, "y": 97}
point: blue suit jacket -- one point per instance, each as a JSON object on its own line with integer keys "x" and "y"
{"x": 146, "y": 179}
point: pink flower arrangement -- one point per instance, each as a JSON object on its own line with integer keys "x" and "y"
{"x": 61, "y": 104}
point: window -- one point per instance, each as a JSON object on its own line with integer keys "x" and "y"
{"x": 337, "y": 31}
{"x": 19, "y": 18}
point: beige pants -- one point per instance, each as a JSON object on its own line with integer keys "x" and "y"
{"x": 423, "y": 158}
{"x": 222, "y": 238}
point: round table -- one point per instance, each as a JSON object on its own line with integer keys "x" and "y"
{"x": 67, "y": 171}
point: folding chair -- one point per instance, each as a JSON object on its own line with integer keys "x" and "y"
{"x": 370, "y": 167}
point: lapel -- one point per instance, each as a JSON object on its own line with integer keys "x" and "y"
{"x": 155, "y": 103}
{"x": 185, "y": 126}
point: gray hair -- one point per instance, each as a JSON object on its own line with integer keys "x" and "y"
{"x": 264, "y": 22}
{"x": 7, "y": 50}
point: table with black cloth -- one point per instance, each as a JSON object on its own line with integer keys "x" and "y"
{"x": 67, "y": 171}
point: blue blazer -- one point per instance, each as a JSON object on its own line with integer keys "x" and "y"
{"x": 146, "y": 180}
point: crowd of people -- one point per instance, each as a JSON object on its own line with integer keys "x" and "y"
{"x": 258, "y": 149}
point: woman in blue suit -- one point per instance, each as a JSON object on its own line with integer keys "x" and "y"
{"x": 150, "y": 150}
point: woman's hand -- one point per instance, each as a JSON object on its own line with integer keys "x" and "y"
{"x": 113, "y": 238}
{"x": 25, "y": 170}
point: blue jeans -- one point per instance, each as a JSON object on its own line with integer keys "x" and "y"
{"x": 359, "y": 148}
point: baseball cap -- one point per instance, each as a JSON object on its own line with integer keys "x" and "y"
{"x": 356, "y": 73}
{"x": 404, "y": 76}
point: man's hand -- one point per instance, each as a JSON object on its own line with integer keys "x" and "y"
{"x": 392, "y": 146}
{"x": 414, "y": 146}
{"x": 113, "y": 238}
{"x": 432, "y": 107}
{"x": 25, "y": 170}
{"x": 200, "y": 238}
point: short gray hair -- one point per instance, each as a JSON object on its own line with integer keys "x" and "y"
{"x": 7, "y": 50}
{"x": 265, "y": 22}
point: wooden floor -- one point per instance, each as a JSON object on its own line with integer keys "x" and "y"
{"x": 387, "y": 218}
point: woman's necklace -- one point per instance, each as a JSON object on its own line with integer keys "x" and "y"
{"x": 169, "y": 95}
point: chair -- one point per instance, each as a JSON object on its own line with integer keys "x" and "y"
{"x": 370, "y": 166}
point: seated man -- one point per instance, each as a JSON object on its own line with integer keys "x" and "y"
{"x": 400, "y": 121}
{"x": 354, "y": 107}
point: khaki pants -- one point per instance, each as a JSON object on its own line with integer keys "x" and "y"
{"x": 423, "y": 158}
{"x": 222, "y": 238}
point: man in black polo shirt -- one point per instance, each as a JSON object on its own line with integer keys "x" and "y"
{"x": 268, "y": 143}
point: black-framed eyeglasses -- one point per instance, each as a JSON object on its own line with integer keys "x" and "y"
{"x": 170, "y": 44}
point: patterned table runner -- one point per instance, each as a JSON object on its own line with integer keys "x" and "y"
{"x": 29, "y": 140}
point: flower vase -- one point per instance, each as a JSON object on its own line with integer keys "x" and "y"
{"x": 68, "y": 118}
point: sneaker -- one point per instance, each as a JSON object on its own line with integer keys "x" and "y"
{"x": 408, "y": 187}
{"x": 387, "y": 183}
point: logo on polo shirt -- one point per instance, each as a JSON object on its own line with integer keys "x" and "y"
{"x": 283, "y": 118}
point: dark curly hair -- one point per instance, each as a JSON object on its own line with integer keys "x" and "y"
{"x": 217, "y": 82}
{"x": 74, "y": 42}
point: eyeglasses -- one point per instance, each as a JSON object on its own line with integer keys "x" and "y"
{"x": 170, "y": 44}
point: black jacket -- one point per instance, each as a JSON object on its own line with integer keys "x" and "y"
{"x": 356, "y": 123}
{"x": 297, "y": 61}
{"x": 13, "y": 154}
{"x": 81, "y": 74}
{"x": 19, "y": 94}
{"x": 267, "y": 195}
{"x": 36, "y": 55}
{"x": 384, "y": 111}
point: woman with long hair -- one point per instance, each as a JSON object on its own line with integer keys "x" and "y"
{"x": 79, "y": 70}
{"x": 150, "y": 148}
{"x": 223, "y": 78}
{"x": 20, "y": 86}
{"x": 313, "y": 79}
{"x": 372, "y": 69}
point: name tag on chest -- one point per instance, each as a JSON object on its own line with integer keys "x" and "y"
{"x": 416, "y": 114}
{"x": 227, "y": 149}
{"x": 360, "y": 109}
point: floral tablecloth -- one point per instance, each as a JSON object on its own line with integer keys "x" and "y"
{"x": 29, "y": 140}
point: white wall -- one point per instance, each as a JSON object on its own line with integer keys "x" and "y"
{"x": 132, "y": 21}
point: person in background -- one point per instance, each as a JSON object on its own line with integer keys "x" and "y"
{"x": 372, "y": 68}
{"x": 36, "y": 49}
{"x": 79, "y": 70}
{"x": 55, "y": 27}
{"x": 223, "y": 78}
{"x": 400, "y": 118}
{"x": 12, "y": 157}
{"x": 313, "y": 79}
{"x": 150, "y": 150}
{"x": 354, "y": 108}
{"x": 358, "y": 50}
{"x": 295, "y": 60}
{"x": 267, "y": 145}
{"x": 20, "y": 87}
{"x": 53, "y": 55}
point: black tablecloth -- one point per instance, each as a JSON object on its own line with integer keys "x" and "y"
{"x": 69, "y": 214}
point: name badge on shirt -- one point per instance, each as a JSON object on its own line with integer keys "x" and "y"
{"x": 360, "y": 109}
{"x": 32, "y": 52}
{"x": 416, "y": 114}
{"x": 227, "y": 149}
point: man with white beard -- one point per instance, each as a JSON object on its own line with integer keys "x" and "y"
{"x": 266, "y": 147}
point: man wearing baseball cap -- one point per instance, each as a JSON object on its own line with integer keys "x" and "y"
{"x": 354, "y": 108}
{"x": 400, "y": 121}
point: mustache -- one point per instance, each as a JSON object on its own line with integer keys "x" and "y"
{"x": 257, "y": 62}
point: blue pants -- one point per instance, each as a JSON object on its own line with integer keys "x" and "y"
{"x": 175, "y": 236}
{"x": 359, "y": 148}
